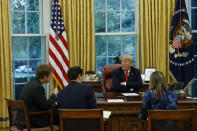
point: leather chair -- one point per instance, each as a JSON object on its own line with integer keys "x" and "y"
{"x": 107, "y": 77}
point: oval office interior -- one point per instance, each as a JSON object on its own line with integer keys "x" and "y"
{"x": 94, "y": 34}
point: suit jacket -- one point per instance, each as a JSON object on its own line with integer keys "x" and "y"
{"x": 34, "y": 97}
{"x": 134, "y": 80}
{"x": 76, "y": 96}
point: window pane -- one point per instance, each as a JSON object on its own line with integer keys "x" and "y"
{"x": 100, "y": 62}
{"x": 13, "y": 57}
{"x": 20, "y": 47}
{"x": 33, "y": 23}
{"x": 114, "y": 47}
{"x": 194, "y": 18}
{"x": 99, "y": 4}
{"x": 128, "y": 4}
{"x": 35, "y": 47}
{"x": 134, "y": 61}
{"x": 18, "y": 89}
{"x": 128, "y": 45}
{"x": 18, "y": 23}
{"x": 33, "y": 5}
{"x": 100, "y": 46}
{"x": 111, "y": 60}
{"x": 33, "y": 64}
{"x": 17, "y": 4}
{"x": 128, "y": 21}
{"x": 113, "y": 4}
{"x": 21, "y": 70}
{"x": 99, "y": 22}
{"x": 113, "y": 22}
{"x": 194, "y": 37}
{"x": 193, "y": 3}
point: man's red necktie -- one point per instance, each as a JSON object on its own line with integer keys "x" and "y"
{"x": 126, "y": 76}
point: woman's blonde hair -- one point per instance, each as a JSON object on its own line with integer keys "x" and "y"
{"x": 158, "y": 83}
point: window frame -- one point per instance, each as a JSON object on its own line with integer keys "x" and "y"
{"x": 45, "y": 15}
{"x": 135, "y": 33}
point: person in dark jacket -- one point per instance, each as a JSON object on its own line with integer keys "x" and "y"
{"x": 126, "y": 78}
{"x": 34, "y": 96}
{"x": 76, "y": 95}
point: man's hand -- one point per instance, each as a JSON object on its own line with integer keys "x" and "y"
{"x": 123, "y": 83}
{"x": 55, "y": 91}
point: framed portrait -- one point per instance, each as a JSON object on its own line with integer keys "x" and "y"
{"x": 148, "y": 71}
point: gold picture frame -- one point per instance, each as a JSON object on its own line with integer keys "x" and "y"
{"x": 148, "y": 71}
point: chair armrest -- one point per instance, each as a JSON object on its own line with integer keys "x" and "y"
{"x": 41, "y": 112}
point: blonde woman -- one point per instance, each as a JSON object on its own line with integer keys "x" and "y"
{"x": 158, "y": 97}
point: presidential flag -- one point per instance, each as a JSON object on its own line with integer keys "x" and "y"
{"x": 58, "y": 47}
{"x": 181, "y": 48}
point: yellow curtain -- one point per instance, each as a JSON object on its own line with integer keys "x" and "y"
{"x": 155, "y": 23}
{"x": 79, "y": 23}
{"x": 5, "y": 61}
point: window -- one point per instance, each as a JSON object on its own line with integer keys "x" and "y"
{"x": 193, "y": 19}
{"x": 28, "y": 41}
{"x": 115, "y": 30}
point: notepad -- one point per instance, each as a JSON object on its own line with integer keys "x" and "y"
{"x": 130, "y": 94}
{"x": 115, "y": 100}
{"x": 194, "y": 98}
{"x": 106, "y": 114}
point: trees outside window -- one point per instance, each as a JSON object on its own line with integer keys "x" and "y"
{"x": 115, "y": 30}
{"x": 28, "y": 41}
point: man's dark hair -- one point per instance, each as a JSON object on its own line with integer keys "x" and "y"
{"x": 43, "y": 70}
{"x": 74, "y": 72}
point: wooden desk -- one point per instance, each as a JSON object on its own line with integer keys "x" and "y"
{"x": 96, "y": 86}
{"x": 124, "y": 115}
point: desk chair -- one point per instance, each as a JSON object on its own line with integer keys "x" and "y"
{"x": 81, "y": 120}
{"x": 19, "y": 107}
{"x": 107, "y": 77}
{"x": 171, "y": 120}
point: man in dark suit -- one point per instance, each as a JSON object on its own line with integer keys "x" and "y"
{"x": 76, "y": 95}
{"x": 126, "y": 78}
{"x": 34, "y": 97}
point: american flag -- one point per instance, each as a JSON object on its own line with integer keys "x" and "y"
{"x": 177, "y": 42}
{"x": 58, "y": 47}
{"x": 181, "y": 61}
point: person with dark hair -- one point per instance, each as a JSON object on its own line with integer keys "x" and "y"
{"x": 158, "y": 97}
{"x": 76, "y": 95}
{"x": 34, "y": 96}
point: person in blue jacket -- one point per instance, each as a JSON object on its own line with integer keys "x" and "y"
{"x": 76, "y": 95}
{"x": 158, "y": 97}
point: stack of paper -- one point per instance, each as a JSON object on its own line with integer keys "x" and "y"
{"x": 106, "y": 114}
{"x": 115, "y": 100}
{"x": 130, "y": 94}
